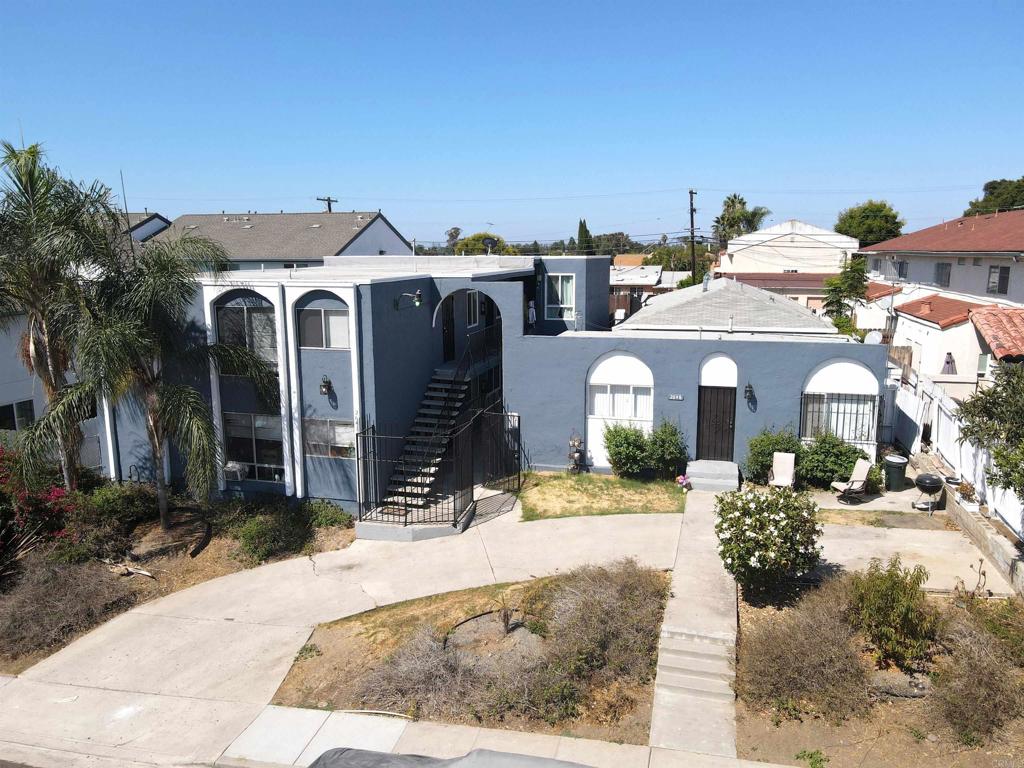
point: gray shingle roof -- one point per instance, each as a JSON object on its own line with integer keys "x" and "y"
{"x": 275, "y": 236}
{"x": 726, "y": 305}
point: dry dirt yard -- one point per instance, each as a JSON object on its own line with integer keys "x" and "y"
{"x": 335, "y": 668}
{"x": 896, "y": 731}
{"x": 171, "y": 573}
{"x": 560, "y": 494}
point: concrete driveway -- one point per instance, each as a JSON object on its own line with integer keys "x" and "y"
{"x": 946, "y": 554}
{"x": 176, "y": 680}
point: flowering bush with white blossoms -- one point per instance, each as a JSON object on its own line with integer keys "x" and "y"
{"x": 765, "y": 536}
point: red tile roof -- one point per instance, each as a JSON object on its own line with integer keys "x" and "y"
{"x": 996, "y": 232}
{"x": 877, "y": 291}
{"x": 941, "y": 310}
{"x": 781, "y": 280}
{"x": 1003, "y": 331}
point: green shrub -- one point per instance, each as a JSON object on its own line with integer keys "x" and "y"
{"x": 828, "y": 458}
{"x": 324, "y": 514}
{"x": 891, "y": 608}
{"x": 764, "y": 537}
{"x": 128, "y": 503}
{"x": 762, "y": 447}
{"x": 876, "y": 479}
{"x": 275, "y": 533}
{"x": 666, "y": 451}
{"x": 627, "y": 449}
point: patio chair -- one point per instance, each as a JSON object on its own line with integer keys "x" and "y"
{"x": 783, "y": 471}
{"x": 857, "y": 484}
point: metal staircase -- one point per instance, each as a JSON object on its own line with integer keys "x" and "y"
{"x": 414, "y": 480}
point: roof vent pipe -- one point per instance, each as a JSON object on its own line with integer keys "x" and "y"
{"x": 706, "y": 281}
{"x": 730, "y": 323}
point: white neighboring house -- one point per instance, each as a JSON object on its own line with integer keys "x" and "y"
{"x": 945, "y": 347}
{"x": 975, "y": 256}
{"x": 792, "y": 246}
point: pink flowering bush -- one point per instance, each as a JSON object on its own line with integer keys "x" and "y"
{"x": 766, "y": 536}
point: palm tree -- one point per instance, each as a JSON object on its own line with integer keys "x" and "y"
{"x": 736, "y": 219}
{"x": 51, "y": 231}
{"x": 137, "y": 345}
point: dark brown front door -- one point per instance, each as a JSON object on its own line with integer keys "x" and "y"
{"x": 448, "y": 328}
{"x": 716, "y": 421}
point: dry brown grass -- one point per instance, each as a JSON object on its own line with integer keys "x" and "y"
{"x": 805, "y": 658}
{"x": 51, "y": 603}
{"x": 977, "y": 690}
{"x": 558, "y": 494}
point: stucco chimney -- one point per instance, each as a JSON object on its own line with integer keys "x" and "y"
{"x": 926, "y": 307}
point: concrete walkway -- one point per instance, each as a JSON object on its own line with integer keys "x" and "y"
{"x": 175, "y": 681}
{"x": 694, "y": 704}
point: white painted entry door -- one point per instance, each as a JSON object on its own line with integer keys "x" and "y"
{"x": 620, "y": 390}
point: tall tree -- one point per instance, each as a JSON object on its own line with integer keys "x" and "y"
{"x": 870, "y": 222}
{"x": 474, "y": 244}
{"x": 994, "y": 418}
{"x": 51, "y": 230}
{"x": 453, "y": 235}
{"x": 584, "y": 240}
{"x": 138, "y": 346}
{"x": 737, "y": 219}
{"x": 844, "y": 292}
{"x": 998, "y": 195}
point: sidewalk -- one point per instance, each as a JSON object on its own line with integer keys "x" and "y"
{"x": 283, "y": 736}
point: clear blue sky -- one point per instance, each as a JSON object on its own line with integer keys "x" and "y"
{"x": 462, "y": 113}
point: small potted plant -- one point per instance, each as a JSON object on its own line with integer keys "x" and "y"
{"x": 967, "y": 497}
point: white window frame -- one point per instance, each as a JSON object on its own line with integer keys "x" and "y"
{"x": 559, "y": 308}
{"x": 323, "y": 326}
{"x": 345, "y": 451}
{"x": 254, "y": 463}
{"x": 633, "y": 400}
{"x": 472, "y": 309}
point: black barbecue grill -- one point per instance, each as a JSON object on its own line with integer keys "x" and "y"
{"x": 931, "y": 486}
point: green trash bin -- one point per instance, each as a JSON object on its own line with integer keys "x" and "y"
{"x": 895, "y": 472}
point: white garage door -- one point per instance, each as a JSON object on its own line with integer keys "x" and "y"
{"x": 620, "y": 390}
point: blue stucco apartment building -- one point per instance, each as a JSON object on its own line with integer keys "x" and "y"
{"x": 402, "y": 347}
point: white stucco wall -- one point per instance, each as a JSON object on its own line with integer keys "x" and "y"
{"x": 791, "y": 245}
{"x": 930, "y": 345}
{"x": 965, "y": 277}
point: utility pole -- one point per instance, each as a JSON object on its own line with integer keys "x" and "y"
{"x": 328, "y": 200}
{"x": 693, "y": 244}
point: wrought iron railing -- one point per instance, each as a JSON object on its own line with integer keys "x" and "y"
{"x": 484, "y": 450}
{"x": 854, "y": 418}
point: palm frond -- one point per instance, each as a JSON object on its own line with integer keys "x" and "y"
{"x": 59, "y": 425}
{"x": 188, "y": 423}
{"x": 235, "y": 360}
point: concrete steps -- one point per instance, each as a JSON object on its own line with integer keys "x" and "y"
{"x": 716, "y": 476}
{"x": 695, "y": 665}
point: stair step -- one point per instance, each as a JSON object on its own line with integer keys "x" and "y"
{"x": 702, "y": 687}
{"x": 435, "y": 436}
{"x": 433, "y": 420}
{"x": 694, "y": 648}
{"x": 433, "y": 449}
{"x": 405, "y": 489}
{"x": 710, "y": 669}
{"x": 430, "y": 411}
{"x": 417, "y": 470}
{"x": 399, "y": 502}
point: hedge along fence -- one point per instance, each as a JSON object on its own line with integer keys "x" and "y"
{"x": 632, "y": 453}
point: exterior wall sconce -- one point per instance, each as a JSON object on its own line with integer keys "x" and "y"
{"x": 326, "y": 387}
{"x": 417, "y": 299}
{"x": 748, "y": 392}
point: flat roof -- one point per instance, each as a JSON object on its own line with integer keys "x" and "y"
{"x": 370, "y": 269}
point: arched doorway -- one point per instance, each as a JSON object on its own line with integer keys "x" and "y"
{"x": 716, "y": 408}
{"x": 470, "y": 324}
{"x": 620, "y": 390}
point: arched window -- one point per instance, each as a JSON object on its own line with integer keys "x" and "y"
{"x": 841, "y": 397}
{"x": 245, "y": 319}
{"x": 620, "y": 390}
{"x": 323, "y": 321}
